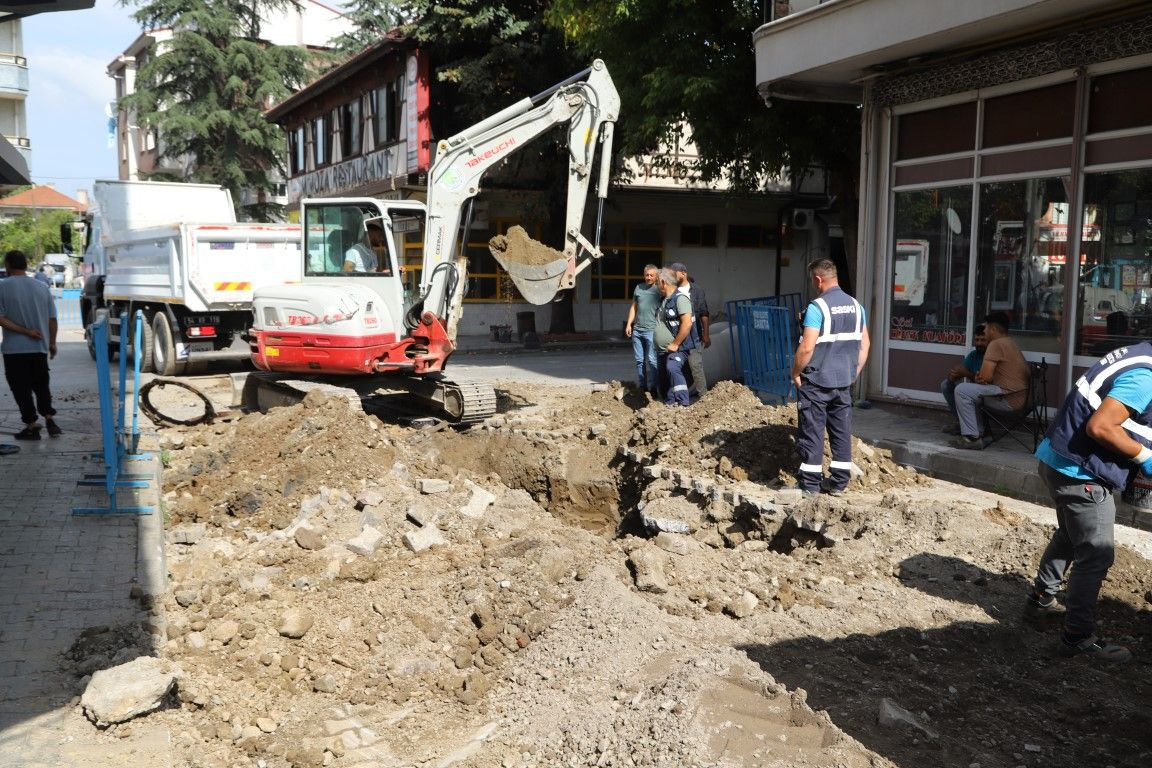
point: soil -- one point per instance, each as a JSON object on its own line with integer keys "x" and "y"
{"x": 517, "y": 247}
{"x": 612, "y": 582}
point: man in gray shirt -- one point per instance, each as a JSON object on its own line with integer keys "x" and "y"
{"x": 28, "y": 317}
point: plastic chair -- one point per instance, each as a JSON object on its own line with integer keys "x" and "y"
{"x": 1029, "y": 419}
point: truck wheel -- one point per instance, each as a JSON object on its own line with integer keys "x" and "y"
{"x": 144, "y": 354}
{"x": 164, "y": 348}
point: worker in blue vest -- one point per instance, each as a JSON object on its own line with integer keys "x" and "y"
{"x": 832, "y": 350}
{"x": 673, "y": 339}
{"x": 1101, "y": 437}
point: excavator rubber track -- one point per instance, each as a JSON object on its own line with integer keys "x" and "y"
{"x": 455, "y": 401}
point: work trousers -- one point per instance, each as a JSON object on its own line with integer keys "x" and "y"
{"x": 644, "y": 351}
{"x": 968, "y": 396}
{"x": 673, "y": 385}
{"x": 27, "y": 375}
{"x": 1085, "y": 518}
{"x": 821, "y": 409}
{"x": 696, "y": 371}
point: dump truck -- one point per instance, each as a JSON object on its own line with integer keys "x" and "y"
{"x": 176, "y": 252}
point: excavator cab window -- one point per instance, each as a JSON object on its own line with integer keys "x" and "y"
{"x": 345, "y": 240}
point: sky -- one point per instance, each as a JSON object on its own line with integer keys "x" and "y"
{"x": 69, "y": 91}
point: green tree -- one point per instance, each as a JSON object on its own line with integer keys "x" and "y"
{"x": 204, "y": 93}
{"x": 686, "y": 67}
{"x": 35, "y": 233}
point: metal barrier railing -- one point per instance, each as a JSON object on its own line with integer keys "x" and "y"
{"x": 118, "y": 446}
{"x": 763, "y": 337}
{"x": 68, "y": 307}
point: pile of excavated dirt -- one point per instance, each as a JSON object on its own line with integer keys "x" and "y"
{"x": 590, "y": 579}
{"x": 517, "y": 247}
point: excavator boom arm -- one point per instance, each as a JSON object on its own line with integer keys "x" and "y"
{"x": 589, "y": 104}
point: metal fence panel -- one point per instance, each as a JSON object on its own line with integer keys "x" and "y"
{"x": 763, "y": 338}
{"x": 67, "y": 307}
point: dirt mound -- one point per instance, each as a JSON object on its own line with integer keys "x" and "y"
{"x": 516, "y": 246}
{"x": 590, "y": 579}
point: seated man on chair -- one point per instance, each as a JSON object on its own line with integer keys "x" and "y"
{"x": 1004, "y": 372}
{"x": 958, "y": 374}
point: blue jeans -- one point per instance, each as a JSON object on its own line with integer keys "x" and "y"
{"x": 1085, "y": 517}
{"x": 948, "y": 389}
{"x": 644, "y": 351}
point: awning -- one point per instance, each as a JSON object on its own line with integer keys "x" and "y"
{"x": 8, "y": 10}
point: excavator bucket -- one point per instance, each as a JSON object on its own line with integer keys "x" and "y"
{"x": 536, "y": 270}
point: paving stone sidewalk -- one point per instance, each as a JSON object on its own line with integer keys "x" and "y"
{"x": 60, "y": 574}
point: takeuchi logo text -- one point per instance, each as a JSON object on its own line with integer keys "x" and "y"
{"x": 322, "y": 320}
{"x": 491, "y": 152}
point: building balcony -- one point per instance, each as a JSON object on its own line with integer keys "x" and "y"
{"x": 23, "y": 145}
{"x": 824, "y": 51}
{"x": 13, "y": 74}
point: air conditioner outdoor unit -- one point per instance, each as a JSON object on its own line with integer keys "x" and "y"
{"x": 803, "y": 218}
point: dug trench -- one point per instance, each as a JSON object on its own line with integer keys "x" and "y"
{"x": 592, "y": 579}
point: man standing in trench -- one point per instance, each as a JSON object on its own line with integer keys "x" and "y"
{"x": 831, "y": 353}
{"x": 1099, "y": 440}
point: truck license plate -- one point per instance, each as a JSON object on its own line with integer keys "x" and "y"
{"x": 199, "y": 346}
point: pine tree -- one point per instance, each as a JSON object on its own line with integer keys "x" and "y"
{"x": 372, "y": 20}
{"x": 204, "y": 93}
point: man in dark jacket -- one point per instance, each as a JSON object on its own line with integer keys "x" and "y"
{"x": 700, "y": 322}
{"x": 831, "y": 353}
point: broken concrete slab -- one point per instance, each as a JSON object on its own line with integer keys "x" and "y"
{"x": 121, "y": 693}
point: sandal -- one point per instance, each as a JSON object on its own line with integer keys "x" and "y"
{"x": 28, "y": 433}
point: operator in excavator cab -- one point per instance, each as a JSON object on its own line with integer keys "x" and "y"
{"x": 361, "y": 257}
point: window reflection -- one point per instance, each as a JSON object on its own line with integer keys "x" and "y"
{"x": 1116, "y": 265}
{"x": 930, "y": 278}
{"x": 1021, "y": 253}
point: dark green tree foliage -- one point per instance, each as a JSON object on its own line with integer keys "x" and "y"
{"x": 681, "y": 63}
{"x": 205, "y": 91}
{"x": 371, "y": 19}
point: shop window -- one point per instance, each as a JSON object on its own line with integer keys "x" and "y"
{"x": 627, "y": 248}
{"x": 350, "y": 129}
{"x": 931, "y": 230}
{"x": 751, "y": 236}
{"x": 1116, "y": 262}
{"x": 1036, "y": 115}
{"x": 1021, "y": 253}
{"x": 1112, "y": 106}
{"x": 321, "y": 145}
{"x": 388, "y": 112}
{"x": 698, "y": 235}
{"x": 940, "y": 131}
{"x": 297, "y": 150}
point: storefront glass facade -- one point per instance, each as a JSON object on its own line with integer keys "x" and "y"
{"x": 998, "y": 198}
